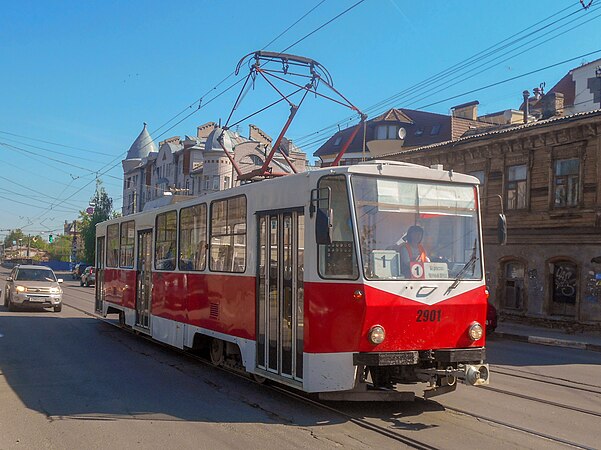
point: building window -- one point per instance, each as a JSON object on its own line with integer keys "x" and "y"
{"x": 193, "y": 238}
{"x": 435, "y": 129}
{"x": 215, "y": 182}
{"x": 386, "y": 132}
{"x": 165, "y": 241}
{"x": 226, "y": 182}
{"x": 206, "y": 182}
{"x": 338, "y": 140}
{"x": 516, "y": 187}
{"x": 513, "y": 285}
{"x": 228, "y": 235}
{"x": 419, "y": 131}
{"x": 567, "y": 182}
{"x": 127, "y": 244}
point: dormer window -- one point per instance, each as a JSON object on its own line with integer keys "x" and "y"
{"x": 386, "y": 132}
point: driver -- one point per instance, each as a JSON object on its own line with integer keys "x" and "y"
{"x": 412, "y": 249}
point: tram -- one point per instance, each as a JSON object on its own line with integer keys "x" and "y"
{"x": 304, "y": 279}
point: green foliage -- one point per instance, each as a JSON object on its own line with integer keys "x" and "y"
{"x": 60, "y": 249}
{"x": 103, "y": 210}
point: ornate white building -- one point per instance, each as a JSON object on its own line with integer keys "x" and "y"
{"x": 195, "y": 165}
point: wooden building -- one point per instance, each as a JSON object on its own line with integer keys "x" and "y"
{"x": 545, "y": 175}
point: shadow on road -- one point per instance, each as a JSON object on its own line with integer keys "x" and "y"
{"x": 67, "y": 367}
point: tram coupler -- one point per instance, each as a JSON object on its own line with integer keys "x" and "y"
{"x": 470, "y": 374}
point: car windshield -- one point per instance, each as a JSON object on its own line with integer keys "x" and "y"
{"x": 417, "y": 229}
{"x": 35, "y": 275}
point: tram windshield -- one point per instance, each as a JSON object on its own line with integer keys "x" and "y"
{"x": 417, "y": 229}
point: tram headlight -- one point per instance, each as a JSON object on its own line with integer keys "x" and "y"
{"x": 21, "y": 289}
{"x": 376, "y": 334}
{"x": 475, "y": 331}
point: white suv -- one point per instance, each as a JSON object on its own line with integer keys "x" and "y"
{"x": 30, "y": 285}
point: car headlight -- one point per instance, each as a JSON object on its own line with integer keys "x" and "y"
{"x": 475, "y": 331}
{"x": 55, "y": 290}
{"x": 376, "y": 334}
{"x": 21, "y": 289}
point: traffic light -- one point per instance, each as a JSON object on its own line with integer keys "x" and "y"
{"x": 50, "y": 239}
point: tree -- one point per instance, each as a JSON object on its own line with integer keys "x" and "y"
{"x": 103, "y": 210}
{"x": 60, "y": 249}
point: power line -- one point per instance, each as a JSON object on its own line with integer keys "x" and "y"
{"x": 56, "y": 143}
{"x": 102, "y": 171}
{"x": 488, "y": 86}
{"x": 454, "y": 68}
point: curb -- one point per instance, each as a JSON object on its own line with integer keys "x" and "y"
{"x": 549, "y": 341}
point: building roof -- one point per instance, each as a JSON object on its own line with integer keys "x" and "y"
{"x": 422, "y": 128}
{"x": 142, "y": 146}
{"x": 502, "y": 129}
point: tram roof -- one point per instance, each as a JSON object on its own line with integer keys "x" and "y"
{"x": 386, "y": 168}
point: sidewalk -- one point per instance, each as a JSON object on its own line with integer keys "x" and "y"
{"x": 547, "y": 336}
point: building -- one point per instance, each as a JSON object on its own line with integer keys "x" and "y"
{"x": 545, "y": 176}
{"x": 581, "y": 88}
{"x": 196, "y": 165}
{"x": 398, "y": 129}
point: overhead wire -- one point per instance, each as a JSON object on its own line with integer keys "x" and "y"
{"x": 479, "y": 56}
{"x": 488, "y": 86}
{"x": 103, "y": 171}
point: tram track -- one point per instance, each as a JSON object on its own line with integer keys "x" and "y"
{"x": 557, "y": 381}
{"x": 398, "y": 437}
{"x": 363, "y": 423}
{"x": 542, "y": 401}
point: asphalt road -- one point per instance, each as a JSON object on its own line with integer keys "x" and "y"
{"x": 70, "y": 380}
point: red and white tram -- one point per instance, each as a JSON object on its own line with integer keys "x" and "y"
{"x": 304, "y": 280}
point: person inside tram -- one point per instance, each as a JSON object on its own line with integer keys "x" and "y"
{"x": 412, "y": 249}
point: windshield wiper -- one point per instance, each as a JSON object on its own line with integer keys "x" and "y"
{"x": 468, "y": 265}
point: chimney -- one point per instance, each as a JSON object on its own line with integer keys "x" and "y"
{"x": 258, "y": 135}
{"x": 466, "y": 110}
{"x": 552, "y": 105}
{"x": 526, "y": 96}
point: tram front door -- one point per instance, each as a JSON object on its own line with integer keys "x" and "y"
{"x": 144, "y": 279}
{"x": 99, "y": 274}
{"x": 280, "y": 298}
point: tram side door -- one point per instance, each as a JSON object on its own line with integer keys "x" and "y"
{"x": 99, "y": 297}
{"x": 280, "y": 294}
{"x": 144, "y": 279}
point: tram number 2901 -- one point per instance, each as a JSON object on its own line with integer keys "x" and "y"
{"x": 428, "y": 315}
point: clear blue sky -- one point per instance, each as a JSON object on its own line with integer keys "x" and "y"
{"x": 88, "y": 74}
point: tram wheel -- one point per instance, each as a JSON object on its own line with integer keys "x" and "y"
{"x": 216, "y": 352}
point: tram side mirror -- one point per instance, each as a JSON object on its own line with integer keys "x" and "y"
{"x": 502, "y": 229}
{"x": 323, "y": 226}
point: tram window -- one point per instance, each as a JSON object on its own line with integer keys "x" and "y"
{"x": 165, "y": 241}
{"x": 228, "y": 235}
{"x": 337, "y": 259}
{"x": 127, "y": 244}
{"x": 193, "y": 238}
{"x": 112, "y": 253}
